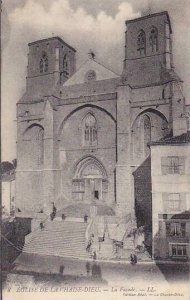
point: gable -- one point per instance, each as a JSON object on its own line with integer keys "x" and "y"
{"x": 91, "y": 70}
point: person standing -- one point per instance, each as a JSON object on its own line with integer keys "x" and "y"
{"x": 94, "y": 255}
{"x": 87, "y": 268}
{"x": 41, "y": 225}
{"x": 85, "y": 218}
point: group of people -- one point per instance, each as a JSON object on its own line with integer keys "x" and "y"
{"x": 54, "y": 211}
{"x": 133, "y": 259}
{"x": 96, "y": 272}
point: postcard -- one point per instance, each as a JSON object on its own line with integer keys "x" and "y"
{"x": 95, "y": 149}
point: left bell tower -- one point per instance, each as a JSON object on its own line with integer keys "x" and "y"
{"x": 50, "y": 62}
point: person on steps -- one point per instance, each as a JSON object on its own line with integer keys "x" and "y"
{"x": 85, "y": 218}
{"x": 90, "y": 242}
{"x": 41, "y": 225}
{"x": 54, "y": 209}
{"x": 63, "y": 217}
{"x": 87, "y": 268}
{"x": 133, "y": 259}
{"x": 94, "y": 255}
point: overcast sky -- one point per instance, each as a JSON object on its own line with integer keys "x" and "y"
{"x": 84, "y": 24}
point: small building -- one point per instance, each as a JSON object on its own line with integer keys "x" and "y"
{"x": 170, "y": 170}
{"x": 8, "y": 193}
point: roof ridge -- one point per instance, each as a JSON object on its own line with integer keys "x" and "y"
{"x": 101, "y": 64}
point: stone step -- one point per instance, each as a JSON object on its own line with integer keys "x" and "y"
{"x": 65, "y": 239}
{"x": 63, "y": 254}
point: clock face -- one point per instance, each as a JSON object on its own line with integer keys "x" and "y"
{"x": 91, "y": 75}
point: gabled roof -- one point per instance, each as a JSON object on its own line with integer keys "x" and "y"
{"x": 100, "y": 70}
{"x": 169, "y": 140}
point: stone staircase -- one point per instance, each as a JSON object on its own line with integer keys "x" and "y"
{"x": 58, "y": 238}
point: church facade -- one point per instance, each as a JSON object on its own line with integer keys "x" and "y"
{"x": 83, "y": 133}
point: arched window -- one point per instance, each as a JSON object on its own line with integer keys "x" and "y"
{"x": 163, "y": 94}
{"x": 44, "y": 64}
{"x": 147, "y": 134}
{"x": 66, "y": 66}
{"x": 34, "y": 139}
{"x": 40, "y": 139}
{"x": 141, "y": 43}
{"x": 153, "y": 39}
{"x": 90, "y": 130}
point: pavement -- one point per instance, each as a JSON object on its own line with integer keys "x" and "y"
{"x": 112, "y": 272}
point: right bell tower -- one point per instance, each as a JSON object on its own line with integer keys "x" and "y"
{"x": 148, "y": 49}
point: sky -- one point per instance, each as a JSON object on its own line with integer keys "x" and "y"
{"x": 84, "y": 24}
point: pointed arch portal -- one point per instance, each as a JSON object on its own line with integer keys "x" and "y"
{"x": 90, "y": 180}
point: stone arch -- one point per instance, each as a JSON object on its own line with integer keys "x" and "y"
{"x": 150, "y": 110}
{"x": 142, "y": 134}
{"x": 34, "y": 125}
{"x": 90, "y": 181}
{"x": 79, "y": 108}
{"x": 66, "y": 66}
{"x": 86, "y": 161}
{"x": 141, "y": 43}
{"x": 153, "y": 39}
{"x": 33, "y": 138}
{"x": 43, "y": 66}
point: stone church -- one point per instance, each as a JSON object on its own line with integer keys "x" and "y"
{"x": 82, "y": 134}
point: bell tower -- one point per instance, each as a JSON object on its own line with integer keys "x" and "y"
{"x": 50, "y": 62}
{"x": 148, "y": 49}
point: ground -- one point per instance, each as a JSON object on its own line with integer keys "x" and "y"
{"x": 52, "y": 268}
{"x": 59, "y": 278}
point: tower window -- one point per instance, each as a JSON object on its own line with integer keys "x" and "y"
{"x": 44, "y": 64}
{"x": 90, "y": 130}
{"x": 147, "y": 134}
{"x": 141, "y": 43}
{"x": 66, "y": 66}
{"x": 153, "y": 39}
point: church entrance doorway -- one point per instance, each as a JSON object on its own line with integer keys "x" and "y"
{"x": 93, "y": 188}
{"x": 90, "y": 181}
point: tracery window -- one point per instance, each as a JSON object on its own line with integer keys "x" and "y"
{"x": 141, "y": 43}
{"x": 147, "y": 134}
{"x": 44, "y": 64}
{"x": 153, "y": 39}
{"x": 66, "y": 66}
{"x": 90, "y": 130}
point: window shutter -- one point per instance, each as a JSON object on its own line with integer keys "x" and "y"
{"x": 183, "y": 229}
{"x": 183, "y": 202}
{"x": 164, "y": 165}
{"x": 167, "y": 228}
{"x": 165, "y": 202}
{"x": 182, "y": 165}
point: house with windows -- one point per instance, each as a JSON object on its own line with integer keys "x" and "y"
{"x": 170, "y": 170}
{"x": 83, "y": 132}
